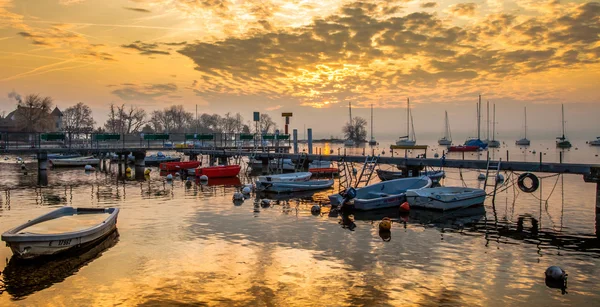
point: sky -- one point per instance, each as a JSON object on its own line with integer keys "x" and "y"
{"x": 312, "y": 58}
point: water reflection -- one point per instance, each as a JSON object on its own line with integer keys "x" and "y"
{"x": 24, "y": 277}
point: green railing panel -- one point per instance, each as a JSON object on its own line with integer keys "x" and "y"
{"x": 245, "y": 136}
{"x": 107, "y": 137}
{"x": 53, "y": 136}
{"x": 156, "y": 136}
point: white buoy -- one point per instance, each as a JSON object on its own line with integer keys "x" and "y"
{"x": 203, "y": 177}
{"x": 500, "y": 178}
{"x": 88, "y": 167}
{"x": 481, "y": 177}
{"x": 177, "y": 174}
{"x": 555, "y": 273}
{"x": 5, "y": 158}
{"x": 246, "y": 190}
{"x": 169, "y": 177}
{"x": 238, "y": 196}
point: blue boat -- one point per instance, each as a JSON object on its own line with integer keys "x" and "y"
{"x": 476, "y": 142}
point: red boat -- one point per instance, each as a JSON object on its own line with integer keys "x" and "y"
{"x": 221, "y": 171}
{"x": 323, "y": 170}
{"x": 463, "y": 148}
{"x": 176, "y": 166}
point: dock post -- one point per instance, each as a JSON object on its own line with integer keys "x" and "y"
{"x": 120, "y": 166}
{"x": 309, "y": 134}
{"x": 140, "y": 164}
{"x": 540, "y": 160}
{"x": 265, "y": 165}
{"x": 295, "y": 136}
{"x": 560, "y": 156}
{"x": 507, "y": 155}
{"x": 42, "y": 158}
{"x": 598, "y": 208}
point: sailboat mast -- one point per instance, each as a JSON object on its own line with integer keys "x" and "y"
{"x": 371, "y": 121}
{"x": 407, "y": 118}
{"x": 479, "y": 118}
{"x": 525, "y": 122}
{"x": 563, "y": 120}
{"x": 446, "y": 125}
{"x": 494, "y": 124}
{"x": 350, "y": 111}
{"x": 488, "y": 121}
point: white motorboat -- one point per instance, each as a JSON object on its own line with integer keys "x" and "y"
{"x": 447, "y": 138}
{"x": 287, "y": 164}
{"x": 293, "y": 186}
{"x": 26, "y": 245}
{"x": 82, "y": 161}
{"x": 524, "y": 141}
{"x": 384, "y": 194}
{"x": 291, "y": 177}
{"x": 445, "y": 198}
{"x": 595, "y": 142}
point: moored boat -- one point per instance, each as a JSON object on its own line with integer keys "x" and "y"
{"x": 159, "y": 158}
{"x": 445, "y": 198}
{"x": 28, "y": 245}
{"x": 302, "y": 176}
{"x": 175, "y": 166}
{"x": 63, "y": 156}
{"x": 383, "y": 194}
{"x": 562, "y": 141}
{"x": 323, "y": 171}
{"x": 293, "y": 186}
{"x": 463, "y": 148}
{"x": 220, "y": 171}
{"x": 81, "y": 161}
{"x": 446, "y": 140}
{"x": 595, "y": 142}
{"x": 524, "y": 141}
{"x": 435, "y": 176}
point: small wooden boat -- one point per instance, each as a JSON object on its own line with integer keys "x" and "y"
{"x": 293, "y": 186}
{"x": 323, "y": 171}
{"x": 463, "y": 148}
{"x": 70, "y": 162}
{"x": 445, "y": 198}
{"x": 28, "y": 245}
{"x": 175, "y": 166}
{"x": 302, "y": 176}
{"x": 63, "y": 156}
{"x": 220, "y": 171}
{"x": 435, "y": 176}
{"x": 384, "y": 194}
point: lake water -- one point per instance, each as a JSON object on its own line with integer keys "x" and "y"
{"x": 191, "y": 245}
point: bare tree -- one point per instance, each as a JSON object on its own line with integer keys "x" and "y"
{"x": 172, "y": 119}
{"x": 122, "y": 120}
{"x": 267, "y": 125}
{"x": 78, "y": 118}
{"x": 357, "y": 130}
{"x": 33, "y": 113}
{"x": 233, "y": 123}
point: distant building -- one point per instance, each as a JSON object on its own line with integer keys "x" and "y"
{"x": 57, "y": 118}
{"x": 9, "y": 122}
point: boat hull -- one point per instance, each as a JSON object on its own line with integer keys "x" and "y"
{"x": 294, "y": 177}
{"x": 28, "y": 245}
{"x": 219, "y": 171}
{"x": 445, "y": 198}
{"x": 74, "y": 162}
{"x": 463, "y": 148}
{"x": 291, "y": 187}
{"x": 444, "y": 142}
{"x": 176, "y": 166}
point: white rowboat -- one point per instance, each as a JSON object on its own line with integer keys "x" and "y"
{"x": 445, "y": 198}
{"x": 384, "y": 194}
{"x": 302, "y": 176}
{"x": 28, "y": 245}
{"x": 291, "y": 186}
{"x": 75, "y": 161}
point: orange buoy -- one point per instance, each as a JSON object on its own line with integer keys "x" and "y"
{"x": 405, "y": 207}
{"x": 385, "y": 224}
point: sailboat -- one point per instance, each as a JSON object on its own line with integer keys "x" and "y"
{"x": 493, "y": 143}
{"x": 562, "y": 141}
{"x": 477, "y": 141}
{"x": 524, "y": 141}
{"x": 350, "y": 142}
{"x": 447, "y": 139}
{"x": 372, "y": 141}
{"x": 410, "y": 139}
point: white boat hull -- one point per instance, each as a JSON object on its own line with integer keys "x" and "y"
{"x": 292, "y": 177}
{"x": 30, "y": 245}
{"x": 75, "y": 162}
{"x": 406, "y": 143}
{"x": 445, "y": 198}
{"x": 444, "y": 142}
{"x": 290, "y": 187}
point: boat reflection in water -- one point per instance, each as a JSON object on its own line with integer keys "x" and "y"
{"x": 25, "y": 277}
{"x": 225, "y": 181}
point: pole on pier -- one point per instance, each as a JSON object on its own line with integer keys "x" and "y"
{"x": 120, "y": 166}
{"x": 540, "y": 160}
{"x": 507, "y": 156}
{"x": 560, "y": 156}
{"x": 598, "y": 208}
{"x": 295, "y": 136}
{"x": 310, "y": 141}
{"x": 140, "y": 164}
{"x": 42, "y": 158}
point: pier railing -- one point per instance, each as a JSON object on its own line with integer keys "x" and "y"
{"x": 68, "y": 140}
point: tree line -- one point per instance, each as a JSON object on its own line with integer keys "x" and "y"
{"x": 34, "y": 115}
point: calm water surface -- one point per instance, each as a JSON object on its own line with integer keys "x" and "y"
{"x": 193, "y": 245}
